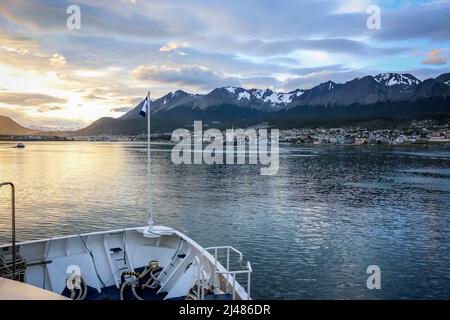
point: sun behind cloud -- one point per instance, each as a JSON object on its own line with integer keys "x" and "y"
{"x": 123, "y": 50}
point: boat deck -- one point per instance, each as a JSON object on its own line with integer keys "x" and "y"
{"x": 112, "y": 293}
{"x": 105, "y": 259}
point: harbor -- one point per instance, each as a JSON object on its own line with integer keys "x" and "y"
{"x": 329, "y": 212}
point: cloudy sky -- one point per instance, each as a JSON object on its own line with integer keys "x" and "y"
{"x": 55, "y": 77}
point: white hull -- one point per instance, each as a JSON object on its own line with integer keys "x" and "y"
{"x": 102, "y": 257}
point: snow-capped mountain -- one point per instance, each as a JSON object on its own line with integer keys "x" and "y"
{"x": 392, "y": 79}
{"x": 385, "y": 87}
{"x": 275, "y": 100}
{"x": 387, "y": 97}
{"x": 267, "y": 100}
{"x": 365, "y": 90}
{"x": 263, "y": 100}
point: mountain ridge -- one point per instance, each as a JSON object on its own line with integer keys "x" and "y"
{"x": 384, "y": 87}
{"x": 10, "y": 127}
{"x": 392, "y": 97}
{"x": 389, "y": 96}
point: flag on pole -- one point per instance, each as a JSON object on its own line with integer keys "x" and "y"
{"x": 145, "y": 107}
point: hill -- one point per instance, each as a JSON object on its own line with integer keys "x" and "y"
{"x": 10, "y": 127}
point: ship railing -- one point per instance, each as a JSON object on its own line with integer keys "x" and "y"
{"x": 201, "y": 279}
{"x": 227, "y": 273}
{"x": 13, "y": 228}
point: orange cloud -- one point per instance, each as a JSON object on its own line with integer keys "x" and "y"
{"x": 436, "y": 57}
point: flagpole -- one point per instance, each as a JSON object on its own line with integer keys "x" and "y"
{"x": 149, "y": 170}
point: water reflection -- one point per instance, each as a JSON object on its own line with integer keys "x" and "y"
{"x": 310, "y": 231}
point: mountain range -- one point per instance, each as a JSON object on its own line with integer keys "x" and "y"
{"x": 382, "y": 100}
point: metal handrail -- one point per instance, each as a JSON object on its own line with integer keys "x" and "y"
{"x": 248, "y": 271}
{"x": 200, "y": 285}
{"x": 228, "y": 248}
{"x": 13, "y": 224}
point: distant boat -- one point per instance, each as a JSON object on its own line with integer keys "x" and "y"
{"x": 20, "y": 145}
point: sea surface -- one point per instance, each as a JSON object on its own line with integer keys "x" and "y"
{"x": 310, "y": 232}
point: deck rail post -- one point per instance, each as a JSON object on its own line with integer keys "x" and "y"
{"x": 13, "y": 224}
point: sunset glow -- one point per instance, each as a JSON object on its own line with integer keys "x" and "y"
{"x": 55, "y": 77}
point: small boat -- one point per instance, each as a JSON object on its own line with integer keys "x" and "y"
{"x": 20, "y": 145}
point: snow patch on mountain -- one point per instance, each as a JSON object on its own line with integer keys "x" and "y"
{"x": 231, "y": 89}
{"x": 243, "y": 95}
{"x": 276, "y": 98}
{"x": 391, "y": 79}
{"x": 259, "y": 94}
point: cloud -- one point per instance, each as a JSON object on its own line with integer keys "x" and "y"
{"x": 185, "y": 75}
{"x": 93, "y": 97}
{"x": 28, "y": 99}
{"x": 100, "y": 18}
{"x": 57, "y": 60}
{"x": 262, "y": 82}
{"x": 352, "y": 6}
{"x": 16, "y": 48}
{"x": 309, "y": 70}
{"x": 197, "y": 46}
{"x": 121, "y": 109}
{"x": 428, "y": 21}
{"x": 43, "y": 120}
{"x": 314, "y": 78}
{"x": 193, "y": 76}
{"x": 276, "y": 48}
{"x": 45, "y": 109}
{"x": 436, "y": 57}
{"x": 171, "y": 46}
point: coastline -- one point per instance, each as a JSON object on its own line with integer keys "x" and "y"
{"x": 423, "y": 144}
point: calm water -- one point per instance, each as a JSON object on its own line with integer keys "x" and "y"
{"x": 310, "y": 231}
